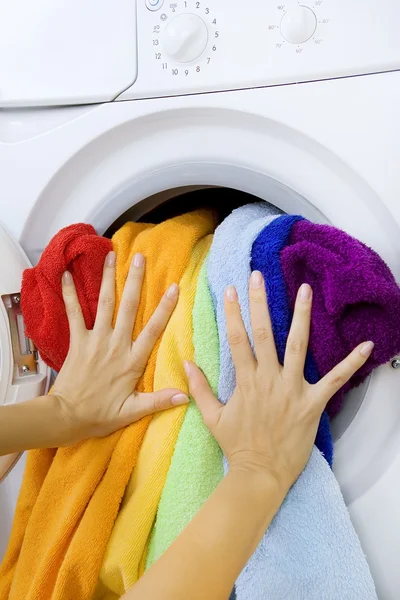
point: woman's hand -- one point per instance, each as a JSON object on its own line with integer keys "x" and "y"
{"x": 271, "y": 421}
{"x": 96, "y": 387}
{"x": 266, "y": 431}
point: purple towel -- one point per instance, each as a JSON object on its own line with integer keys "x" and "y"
{"x": 265, "y": 255}
{"x": 356, "y": 298}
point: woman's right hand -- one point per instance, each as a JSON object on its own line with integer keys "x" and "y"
{"x": 271, "y": 421}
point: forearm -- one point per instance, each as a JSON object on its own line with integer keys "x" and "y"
{"x": 37, "y": 423}
{"x": 208, "y": 556}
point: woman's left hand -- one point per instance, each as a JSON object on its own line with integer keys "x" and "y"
{"x": 96, "y": 387}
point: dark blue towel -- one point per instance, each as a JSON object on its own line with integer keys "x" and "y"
{"x": 265, "y": 258}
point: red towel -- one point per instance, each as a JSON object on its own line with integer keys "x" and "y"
{"x": 81, "y": 251}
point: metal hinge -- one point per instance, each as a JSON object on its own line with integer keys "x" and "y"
{"x": 24, "y": 351}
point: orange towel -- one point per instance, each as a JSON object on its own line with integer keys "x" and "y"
{"x": 70, "y": 497}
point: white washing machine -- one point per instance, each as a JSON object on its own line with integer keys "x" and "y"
{"x": 110, "y": 107}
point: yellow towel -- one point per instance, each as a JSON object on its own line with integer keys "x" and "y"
{"x": 70, "y": 497}
{"x": 132, "y": 528}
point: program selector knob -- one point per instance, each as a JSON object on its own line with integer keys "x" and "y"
{"x": 185, "y": 38}
{"x": 298, "y": 24}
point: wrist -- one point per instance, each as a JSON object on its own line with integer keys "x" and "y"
{"x": 66, "y": 426}
{"x": 261, "y": 470}
{"x": 37, "y": 423}
{"x": 258, "y": 490}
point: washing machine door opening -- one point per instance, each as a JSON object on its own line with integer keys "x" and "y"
{"x": 222, "y": 200}
{"x": 132, "y": 165}
{"x": 362, "y": 417}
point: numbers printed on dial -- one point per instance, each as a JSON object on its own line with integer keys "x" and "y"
{"x": 162, "y": 32}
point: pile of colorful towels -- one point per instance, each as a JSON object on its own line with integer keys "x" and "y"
{"x": 93, "y": 517}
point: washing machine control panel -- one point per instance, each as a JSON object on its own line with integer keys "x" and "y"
{"x": 132, "y": 49}
{"x": 185, "y": 37}
{"x": 195, "y": 46}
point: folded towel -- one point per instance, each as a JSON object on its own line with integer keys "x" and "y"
{"x": 196, "y": 467}
{"x": 265, "y": 257}
{"x": 81, "y": 251}
{"x": 70, "y": 497}
{"x": 310, "y": 551}
{"x": 120, "y": 568}
{"x": 356, "y": 298}
{"x": 233, "y": 242}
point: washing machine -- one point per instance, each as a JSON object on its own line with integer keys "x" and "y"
{"x": 114, "y": 110}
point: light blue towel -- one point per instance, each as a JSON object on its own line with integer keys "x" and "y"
{"x": 310, "y": 551}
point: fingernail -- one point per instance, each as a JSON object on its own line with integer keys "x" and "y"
{"x": 179, "y": 399}
{"x": 305, "y": 292}
{"x": 186, "y": 366}
{"x": 110, "y": 260}
{"x": 138, "y": 260}
{"x": 67, "y": 278}
{"x": 172, "y": 291}
{"x": 256, "y": 279}
{"x": 231, "y": 293}
{"x": 367, "y": 348}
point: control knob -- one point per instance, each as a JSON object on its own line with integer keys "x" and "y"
{"x": 298, "y": 24}
{"x": 185, "y": 38}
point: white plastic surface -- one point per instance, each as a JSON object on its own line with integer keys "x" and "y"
{"x": 185, "y": 38}
{"x": 12, "y": 388}
{"x": 71, "y": 51}
{"x": 298, "y": 24}
{"x": 246, "y": 48}
{"x": 67, "y": 51}
{"x": 314, "y": 148}
{"x": 154, "y": 4}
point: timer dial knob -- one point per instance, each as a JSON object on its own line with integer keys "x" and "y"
{"x": 298, "y": 24}
{"x": 185, "y": 38}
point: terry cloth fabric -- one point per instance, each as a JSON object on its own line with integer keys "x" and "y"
{"x": 234, "y": 238}
{"x": 124, "y": 554}
{"x": 81, "y": 251}
{"x": 70, "y": 497}
{"x": 265, "y": 257}
{"x": 356, "y": 298}
{"x": 196, "y": 467}
{"x": 310, "y": 551}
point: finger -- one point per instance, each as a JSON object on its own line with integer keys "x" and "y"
{"x": 340, "y": 375}
{"x": 130, "y": 299}
{"x": 139, "y": 405}
{"x": 203, "y": 395}
{"x": 105, "y": 307}
{"x": 72, "y": 307}
{"x": 297, "y": 342}
{"x": 142, "y": 347}
{"x": 242, "y": 354}
{"x": 263, "y": 336}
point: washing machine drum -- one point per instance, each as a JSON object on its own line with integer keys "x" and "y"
{"x": 364, "y": 431}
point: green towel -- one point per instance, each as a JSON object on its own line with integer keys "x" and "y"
{"x": 196, "y": 466}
